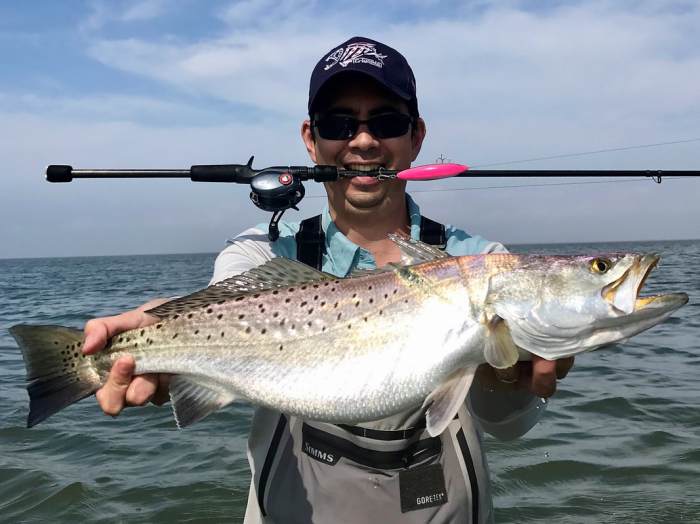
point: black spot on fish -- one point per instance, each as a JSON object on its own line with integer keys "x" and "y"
{"x": 263, "y": 331}
{"x": 371, "y": 301}
{"x": 275, "y": 292}
{"x": 208, "y": 337}
{"x": 315, "y": 286}
{"x": 369, "y": 288}
{"x": 281, "y": 347}
{"x": 222, "y": 334}
{"x": 303, "y": 288}
{"x": 287, "y": 300}
{"x": 256, "y": 295}
{"x": 291, "y": 290}
{"x": 339, "y": 315}
{"x": 174, "y": 336}
{"x": 293, "y": 326}
{"x": 395, "y": 291}
{"x": 366, "y": 319}
{"x": 386, "y": 296}
{"x": 349, "y": 326}
{"x": 381, "y": 311}
{"x": 241, "y": 316}
{"x": 220, "y": 316}
{"x": 315, "y": 297}
{"x": 335, "y": 305}
{"x": 323, "y": 328}
{"x": 354, "y": 295}
{"x": 326, "y": 284}
{"x": 309, "y": 324}
{"x": 189, "y": 315}
{"x": 221, "y": 302}
{"x": 55, "y": 342}
{"x": 303, "y": 303}
{"x": 238, "y": 299}
{"x": 332, "y": 289}
{"x": 175, "y": 317}
{"x": 248, "y": 329}
{"x": 311, "y": 310}
{"x": 282, "y": 322}
{"x": 210, "y": 310}
{"x": 158, "y": 326}
{"x": 196, "y": 332}
{"x": 323, "y": 303}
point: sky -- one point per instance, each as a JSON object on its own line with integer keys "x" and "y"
{"x": 170, "y": 84}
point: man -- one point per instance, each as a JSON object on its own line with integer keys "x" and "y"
{"x": 363, "y": 113}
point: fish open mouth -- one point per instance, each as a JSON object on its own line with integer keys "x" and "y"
{"x": 624, "y": 293}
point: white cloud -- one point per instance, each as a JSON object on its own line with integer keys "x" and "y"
{"x": 498, "y": 84}
{"x": 103, "y": 13}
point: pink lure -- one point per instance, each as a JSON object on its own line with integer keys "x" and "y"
{"x": 431, "y": 172}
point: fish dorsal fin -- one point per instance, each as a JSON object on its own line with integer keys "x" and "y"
{"x": 193, "y": 398}
{"x": 499, "y": 349}
{"x": 444, "y": 402}
{"x": 415, "y": 251}
{"x": 276, "y": 273}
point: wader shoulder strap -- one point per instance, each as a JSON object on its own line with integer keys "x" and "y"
{"x": 311, "y": 241}
{"x": 432, "y": 233}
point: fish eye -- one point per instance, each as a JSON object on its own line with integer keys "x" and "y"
{"x": 601, "y": 265}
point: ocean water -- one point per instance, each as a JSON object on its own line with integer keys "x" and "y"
{"x": 620, "y": 441}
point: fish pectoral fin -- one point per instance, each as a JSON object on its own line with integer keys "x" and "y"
{"x": 193, "y": 398}
{"x": 499, "y": 349}
{"x": 415, "y": 251}
{"x": 444, "y": 402}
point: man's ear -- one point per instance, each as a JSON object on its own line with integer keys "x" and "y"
{"x": 307, "y": 135}
{"x": 417, "y": 137}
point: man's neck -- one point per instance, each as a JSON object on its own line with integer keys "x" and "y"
{"x": 370, "y": 229}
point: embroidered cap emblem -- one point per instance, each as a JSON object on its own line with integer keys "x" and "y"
{"x": 356, "y": 53}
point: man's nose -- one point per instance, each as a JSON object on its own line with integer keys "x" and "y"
{"x": 363, "y": 139}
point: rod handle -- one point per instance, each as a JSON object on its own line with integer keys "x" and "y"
{"x": 59, "y": 173}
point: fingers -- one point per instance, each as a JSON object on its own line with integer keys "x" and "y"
{"x": 98, "y": 331}
{"x": 563, "y": 367}
{"x": 112, "y": 396}
{"x": 141, "y": 390}
{"x": 162, "y": 394}
{"x": 544, "y": 377}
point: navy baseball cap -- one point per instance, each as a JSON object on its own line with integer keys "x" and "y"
{"x": 364, "y": 55}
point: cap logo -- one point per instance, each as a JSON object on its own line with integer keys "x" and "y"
{"x": 356, "y": 53}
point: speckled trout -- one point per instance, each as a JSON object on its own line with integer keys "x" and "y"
{"x": 307, "y": 343}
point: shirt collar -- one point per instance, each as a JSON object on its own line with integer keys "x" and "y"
{"x": 344, "y": 255}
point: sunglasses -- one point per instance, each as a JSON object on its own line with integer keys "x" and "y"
{"x": 344, "y": 127}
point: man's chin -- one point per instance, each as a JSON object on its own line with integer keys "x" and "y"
{"x": 365, "y": 200}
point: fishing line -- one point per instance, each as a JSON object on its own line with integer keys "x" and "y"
{"x": 585, "y": 153}
{"x": 533, "y": 185}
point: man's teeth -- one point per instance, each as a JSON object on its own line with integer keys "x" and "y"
{"x": 363, "y": 167}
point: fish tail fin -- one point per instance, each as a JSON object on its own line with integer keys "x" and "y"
{"x": 58, "y": 374}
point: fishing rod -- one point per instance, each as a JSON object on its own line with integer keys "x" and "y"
{"x": 279, "y": 188}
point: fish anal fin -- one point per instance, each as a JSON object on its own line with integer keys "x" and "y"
{"x": 193, "y": 398}
{"x": 499, "y": 349}
{"x": 444, "y": 402}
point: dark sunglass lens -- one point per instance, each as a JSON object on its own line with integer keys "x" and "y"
{"x": 390, "y": 125}
{"x": 336, "y": 127}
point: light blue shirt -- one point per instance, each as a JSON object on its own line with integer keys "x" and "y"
{"x": 342, "y": 255}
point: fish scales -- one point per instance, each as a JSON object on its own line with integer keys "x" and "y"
{"x": 282, "y": 347}
{"x": 351, "y": 350}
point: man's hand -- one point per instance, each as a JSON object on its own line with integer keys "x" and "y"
{"x": 122, "y": 388}
{"x": 538, "y": 376}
